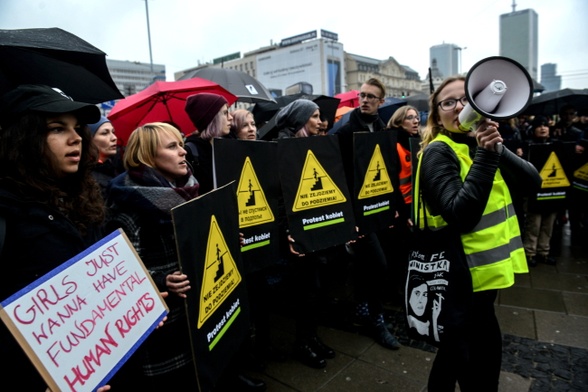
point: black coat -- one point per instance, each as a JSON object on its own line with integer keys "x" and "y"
{"x": 357, "y": 123}
{"x": 38, "y": 239}
{"x": 201, "y": 163}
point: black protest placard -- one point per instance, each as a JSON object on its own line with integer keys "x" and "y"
{"x": 580, "y": 173}
{"x": 553, "y": 161}
{"x": 207, "y": 236}
{"x": 80, "y": 322}
{"x": 375, "y": 180}
{"x": 252, "y": 165}
{"x": 317, "y": 202}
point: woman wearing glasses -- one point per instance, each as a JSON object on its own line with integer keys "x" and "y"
{"x": 466, "y": 180}
{"x": 406, "y": 123}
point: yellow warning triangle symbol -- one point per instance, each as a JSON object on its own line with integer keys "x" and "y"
{"x": 316, "y": 188}
{"x": 553, "y": 174}
{"x": 253, "y": 206}
{"x": 582, "y": 172}
{"x": 221, "y": 275}
{"x": 376, "y": 181}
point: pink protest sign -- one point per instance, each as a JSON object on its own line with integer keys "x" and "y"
{"x": 79, "y": 323}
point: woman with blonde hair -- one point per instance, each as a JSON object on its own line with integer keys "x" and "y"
{"x": 243, "y": 126}
{"x": 466, "y": 180}
{"x": 157, "y": 179}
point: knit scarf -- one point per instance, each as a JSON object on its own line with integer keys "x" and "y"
{"x": 145, "y": 190}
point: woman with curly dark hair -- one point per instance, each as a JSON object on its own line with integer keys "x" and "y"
{"x": 49, "y": 201}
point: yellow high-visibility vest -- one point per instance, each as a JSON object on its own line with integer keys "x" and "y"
{"x": 494, "y": 249}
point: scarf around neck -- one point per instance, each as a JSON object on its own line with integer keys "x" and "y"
{"x": 144, "y": 189}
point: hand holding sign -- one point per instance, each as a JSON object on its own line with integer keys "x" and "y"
{"x": 80, "y": 322}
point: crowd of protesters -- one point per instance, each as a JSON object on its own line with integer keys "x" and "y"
{"x": 41, "y": 176}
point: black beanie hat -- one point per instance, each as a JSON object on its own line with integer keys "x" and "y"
{"x": 202, "y": 108}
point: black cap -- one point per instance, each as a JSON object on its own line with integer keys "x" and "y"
{"x": 40, "y": 98}
{"x": 539, "y": 121}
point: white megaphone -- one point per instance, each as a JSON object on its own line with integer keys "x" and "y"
{"x": 497, "y": 88}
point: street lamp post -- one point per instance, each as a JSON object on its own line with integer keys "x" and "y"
{"x": 149, "y": 34}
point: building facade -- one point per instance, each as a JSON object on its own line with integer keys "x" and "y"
{"x": 447, "y": 59}
{"x": 318, "y": 65}
{"x": 132, "y": 76}
{"x": 519, "y": 39}
{"x": 399, "y": 80}
{"x": 549, "y": 78}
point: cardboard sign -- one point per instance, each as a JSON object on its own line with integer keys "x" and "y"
{"x": 317, "y": 200}
{"x": 207, "y": 236}
{"x": 252, "y": 165}
{"x": 79, "y": 323}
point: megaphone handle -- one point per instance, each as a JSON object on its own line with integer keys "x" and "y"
{"x": 498, "y": 147}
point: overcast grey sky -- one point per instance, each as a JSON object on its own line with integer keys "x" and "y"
{"x": 186, "y": 32}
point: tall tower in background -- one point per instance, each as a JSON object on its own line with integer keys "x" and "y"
{"x": 446, "y": 57}
{"x": 549, "y": 78}
{"x": 519, "y": 37}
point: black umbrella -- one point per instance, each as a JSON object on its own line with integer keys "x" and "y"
{"x": 390, "y": 105}
{"x": 327, "y": 106}
{"x": 551, "y": 102}
{"x": 419, "y": 101}
{"x": 55, "y": 58}
{"x": 244, "y": 86}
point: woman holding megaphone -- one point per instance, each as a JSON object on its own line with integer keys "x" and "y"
{"x": 466, "y": 179}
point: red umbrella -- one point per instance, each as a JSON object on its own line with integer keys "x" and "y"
{"x": 163, "y": 102}
{"x": 348, "y": 99}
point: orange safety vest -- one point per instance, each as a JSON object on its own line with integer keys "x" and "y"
{"x": 405, "y": 173}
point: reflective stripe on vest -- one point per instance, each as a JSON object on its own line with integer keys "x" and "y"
{"x": 493, "y": 249}
{"x": 405, "y": 174}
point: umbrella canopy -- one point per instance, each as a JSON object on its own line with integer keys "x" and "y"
{"x": 327, "y": 106}
{"x": 161, "y": 101}
{"x": 390, "y": 105}
{"x": 419, "y": 101}
{"x": 341, "y": 111}
{"x": 244, "y": 86}
{"x": 551, "y": 102}
{"x": 348, "y": 98}
{"x": 55, "y": 58}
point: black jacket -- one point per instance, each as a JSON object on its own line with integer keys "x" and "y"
{"x": 202, "y": 163}
{"x": 357, "y": 123}
{"x": 38, "y": 239}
